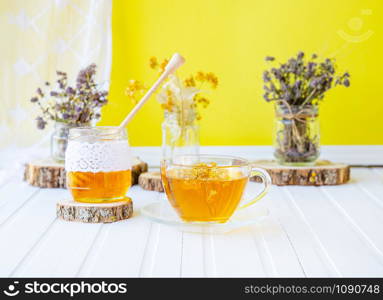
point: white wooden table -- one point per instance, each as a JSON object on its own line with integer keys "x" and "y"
{"x": 311, "y": 232}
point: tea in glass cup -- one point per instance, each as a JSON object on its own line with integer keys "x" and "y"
{"x": 204, "y": 188}
{"x": 98, "y": 164}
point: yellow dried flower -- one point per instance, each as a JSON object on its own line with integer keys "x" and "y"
{"x": 163, "y": 65}
{"x": 201, "y": 100}
{"x": 169, "y": 101}
{"x": 153, "y": 62}
{"x": 169, "y": 104}
{"x": 210, "y": 77}
{"x": 200, "y": 76}
{"x": 134, "y": 89}
{"x": 190, "y": 82}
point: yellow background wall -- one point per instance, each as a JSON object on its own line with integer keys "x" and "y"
{"x": 231, "y": 38}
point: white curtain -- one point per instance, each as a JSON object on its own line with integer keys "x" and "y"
{"x": 39, "y": 37}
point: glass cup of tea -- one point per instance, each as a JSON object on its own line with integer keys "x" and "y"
{"x": 209, "y": 188}
{"x": 98, "y": 164}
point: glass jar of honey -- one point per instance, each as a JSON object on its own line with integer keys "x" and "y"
{"x": 98, "y": 164}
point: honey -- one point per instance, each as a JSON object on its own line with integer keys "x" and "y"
{"x": 204, "y": 192}
{"x": 99, "y": 187}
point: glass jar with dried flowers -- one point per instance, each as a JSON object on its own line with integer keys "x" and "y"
{"x": 297, "y": 87}
{"x": 180, "y": 100}
{"x": 69, "y": 106}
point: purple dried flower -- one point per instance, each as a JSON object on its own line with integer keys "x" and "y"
{"x": 61, "y": 84}
{"x": 346, "y": 82}
{"x": 84, "y": 116}
{"x": 266, "y": 76}
{"x": 314, "y": 82}
{"x": 73, "y": 105}
{"x": 70, "y": 91}
{"x": 40, "y": 92}
{"x": 287, "y": 96}
{"x": 299, "y": 81}
{"x": 277, "y": 73}
{"x": 266, "y": 97}
{"x": 297, "y": 84}
{"x": 41, "y": 123}
{"x": 311, "y": 66}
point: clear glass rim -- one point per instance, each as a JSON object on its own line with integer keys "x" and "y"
{"x": 242, "y": 161}
{"x": 96, "y": 130}
{"x": 97, "y": 127}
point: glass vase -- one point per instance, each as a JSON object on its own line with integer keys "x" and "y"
{"x": 59, "y": 140}
{"x": 297, "y": 134}
{"x": 179, "y": 138}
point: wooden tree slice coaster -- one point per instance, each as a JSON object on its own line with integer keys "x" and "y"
{"x": 323, "y": 172}
{"x": 151, "y": 181}
{"x": 46, "y": 173}
{"x": 138, "y": 167}
{"x": 94, "y": 212}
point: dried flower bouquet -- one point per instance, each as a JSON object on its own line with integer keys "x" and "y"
{"x": 69, "y": 106}
{"x": 297, "y": 87}
{"x": 178, "y": 97}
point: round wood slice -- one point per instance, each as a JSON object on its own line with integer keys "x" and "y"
{"x": 322, "y": 173}
{"x": 94, "y": 212}
{"x": 151, "y": 181}
{"x": 138, "y": 167}
{"x": 46, "y": 173}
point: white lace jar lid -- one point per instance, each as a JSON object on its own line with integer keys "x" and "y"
{"x": 100, "y": 156}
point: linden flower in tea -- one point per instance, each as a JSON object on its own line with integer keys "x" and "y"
{"x": 204, "y": 192}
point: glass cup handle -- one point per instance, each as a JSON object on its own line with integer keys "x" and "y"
{"x": 266, "y": 181}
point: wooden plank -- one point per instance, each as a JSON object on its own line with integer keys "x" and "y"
{"x": 192, "y": 264}
{"x": 98, "y": 252}
{"x": 60, "y": 252}
{"x": 209, "y": 256}
{"x": 271, "y": 239}
{"x": 362, "y": 206}
{"x": 236, "y": 255}
{"x": 163, "y": 252}
{"x": 13, "y": 196}
{"x": 167, "y": 255}
{"x": 343, "y": 248}
{"x": 305, "y": 244}
{"x": 26, "y": 228}
{"x": 119, "y": 249}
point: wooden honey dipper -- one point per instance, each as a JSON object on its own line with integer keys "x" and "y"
{"x": 175, "y": 62}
